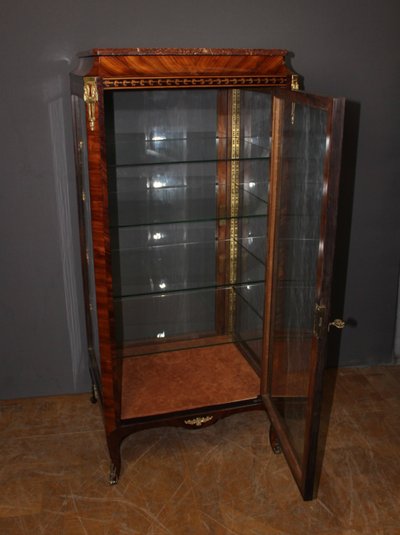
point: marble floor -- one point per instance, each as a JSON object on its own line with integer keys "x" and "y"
{"x": 219, "y": 480}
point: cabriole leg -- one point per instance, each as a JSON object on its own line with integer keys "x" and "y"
{"x": 274, "y": 441}
{"x": 94, "y": 397}
{"x": 114, "y": 474}
{"x": 114, "y": 447}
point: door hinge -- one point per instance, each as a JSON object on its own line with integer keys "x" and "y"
{"x": 319, "y": 320}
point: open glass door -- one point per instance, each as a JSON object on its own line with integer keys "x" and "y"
{"x": 307, "y": 132}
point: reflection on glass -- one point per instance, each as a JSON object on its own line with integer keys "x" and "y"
{"x": 297, "y": 250}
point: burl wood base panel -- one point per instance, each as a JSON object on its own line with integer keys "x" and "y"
{"x": 186, "y": 379}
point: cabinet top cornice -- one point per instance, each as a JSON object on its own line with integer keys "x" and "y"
{"x": 129, "y": 68}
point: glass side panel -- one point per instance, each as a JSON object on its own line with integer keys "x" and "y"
{"x": 297, "y": 250}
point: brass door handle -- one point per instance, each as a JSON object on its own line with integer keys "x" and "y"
{"x": 337, "y": 323}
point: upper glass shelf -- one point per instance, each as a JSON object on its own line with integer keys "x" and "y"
{"x": 194, "y": 191}
{"x": 180, "y": 204}
{"x": 135, "y": 149}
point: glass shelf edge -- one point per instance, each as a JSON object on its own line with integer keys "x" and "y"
{"x": 189, "y": 161}
{"x": 181, "y": 221}
{"x": 223, "y": 287}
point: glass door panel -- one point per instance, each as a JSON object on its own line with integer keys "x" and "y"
{"x": 304, "y": 178}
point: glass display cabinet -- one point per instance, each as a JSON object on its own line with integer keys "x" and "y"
{"x": 208, "y": 187}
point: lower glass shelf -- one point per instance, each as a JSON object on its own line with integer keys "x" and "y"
{"x": 187, "y": 379}
{"x": 193, "y": 318}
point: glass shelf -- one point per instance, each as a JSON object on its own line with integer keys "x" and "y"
{"x": 183, "y": 266}
{"x": 129, "y": 211}
{"x": 184, "y": 192}
{"x": 177, "y": 320}
{"x": 135, "y": 149}
{"x": 141, "y": 236}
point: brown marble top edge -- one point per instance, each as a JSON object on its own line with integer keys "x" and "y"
{"x": 182, "y": 52}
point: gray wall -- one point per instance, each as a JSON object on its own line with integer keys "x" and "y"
{"x": 340, "y": 47}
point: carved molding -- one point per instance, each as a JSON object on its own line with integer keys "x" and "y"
{"x": 189, "y": 81}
